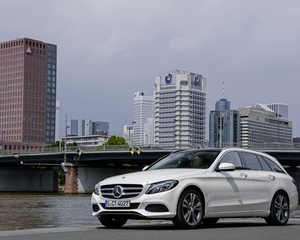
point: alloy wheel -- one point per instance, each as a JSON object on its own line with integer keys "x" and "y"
{"x": 192, "y": 209}
{"x": 281, "y": 208}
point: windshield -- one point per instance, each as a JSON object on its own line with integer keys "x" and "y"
{"x": 187, "y": 159}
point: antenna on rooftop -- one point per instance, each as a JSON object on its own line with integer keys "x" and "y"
{"x": 223, "y": 90}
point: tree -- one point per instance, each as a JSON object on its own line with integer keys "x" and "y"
{"x": 74, "y": 144}
{"x": 57, "y": 144}
{"x": 113, "y": 140}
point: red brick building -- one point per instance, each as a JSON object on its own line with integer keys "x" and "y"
{"x": 27, "y": 93}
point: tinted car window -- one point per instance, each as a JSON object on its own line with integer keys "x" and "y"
{"x": 251, "y": 162}
{"x": 273, "y": 165}
{"x": 263, "y": 163}
{"x": 232, "y": 157}
{"x": 186, "y": 159}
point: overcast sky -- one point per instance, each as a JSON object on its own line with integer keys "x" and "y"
{"x": 109, "y": 49}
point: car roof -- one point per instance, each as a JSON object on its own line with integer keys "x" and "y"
{"x": 199, "y": 150}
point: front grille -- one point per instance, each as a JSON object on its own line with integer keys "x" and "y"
{"x": 128, "y": 190}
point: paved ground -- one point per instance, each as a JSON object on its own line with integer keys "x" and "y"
{"x": 246, "y": 229}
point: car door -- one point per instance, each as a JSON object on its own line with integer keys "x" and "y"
{"x": 263, "y": 181}
{"x": 233, "y": 188}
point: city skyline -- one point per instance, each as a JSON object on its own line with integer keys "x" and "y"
{"x": 252, "y": 47}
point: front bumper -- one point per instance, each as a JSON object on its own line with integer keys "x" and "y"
{"x": 145, "y": 206}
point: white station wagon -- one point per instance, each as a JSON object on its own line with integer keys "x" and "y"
{"x": 194, "y": 187}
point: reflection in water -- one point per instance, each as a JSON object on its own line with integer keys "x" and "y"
{"x": 35, "y": 210}
{"x": 24, "y": 211}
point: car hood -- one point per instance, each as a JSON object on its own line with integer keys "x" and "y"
{"x": 152, "y": 176}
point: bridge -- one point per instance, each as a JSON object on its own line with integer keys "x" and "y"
{"x": 38, "y": 169}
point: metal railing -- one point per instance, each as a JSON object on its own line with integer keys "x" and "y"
{"x": 254, "y": 146}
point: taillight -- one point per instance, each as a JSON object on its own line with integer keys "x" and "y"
{"x": 294, "y": 182}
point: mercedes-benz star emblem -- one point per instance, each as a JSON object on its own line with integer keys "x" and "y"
{"x": 117, "y": 191}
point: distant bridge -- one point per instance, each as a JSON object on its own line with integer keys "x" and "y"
{"x": 118, "y": 155}
{"x": 38, "y": 169}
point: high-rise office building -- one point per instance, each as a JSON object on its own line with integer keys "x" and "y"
{"x": 281, "y": 110}
{"x": 128, "y": 134}
{"x": 261, "y": 128}
{"x": 224, "y": 123}
{"x": 100, "y": 128}
{"x": 180, "y": 104}
{"x": 143, "y": 109}
{"x": 86, "y": 127}
{"x": 149, "y": 132}
{"x": 27, "y": 93}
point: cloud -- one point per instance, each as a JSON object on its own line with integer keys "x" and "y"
{"x": 108, "y": 49}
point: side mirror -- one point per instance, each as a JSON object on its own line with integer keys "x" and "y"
{"x": 226, "y": 167}
{"x": 145, "y": 168}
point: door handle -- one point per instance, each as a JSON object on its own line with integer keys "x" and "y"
{"x": 243, "y": 175}
{"x": 271, "y": 177}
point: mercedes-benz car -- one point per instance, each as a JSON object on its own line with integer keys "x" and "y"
{"x": 194, "y": 187}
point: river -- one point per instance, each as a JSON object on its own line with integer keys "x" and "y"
{"x": 36, "y": 210}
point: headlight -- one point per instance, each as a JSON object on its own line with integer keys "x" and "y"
{"x": 96, "y": 191}
{"x": 162, "y": 186}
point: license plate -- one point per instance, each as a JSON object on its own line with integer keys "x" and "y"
{"x": 117, "y": 203}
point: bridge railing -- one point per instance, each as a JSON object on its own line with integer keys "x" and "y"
{"x": 260, "y": 145}
{"x": 255, "y": 146}
{"x": 68, "y": 149}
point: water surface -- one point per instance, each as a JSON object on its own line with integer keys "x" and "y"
{"x": 36, "y": 210}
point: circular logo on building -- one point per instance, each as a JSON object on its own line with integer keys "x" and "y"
{"x": 168, "y": 78}
{"x": 196, "y": 79}
{"x": 117, "y": 191}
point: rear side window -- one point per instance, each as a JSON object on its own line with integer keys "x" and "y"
{"x": 232, "y": 157}
{"x": 263, "y": 163}
{"x": 273, "y": 165}
{"x": 250, "y": 161}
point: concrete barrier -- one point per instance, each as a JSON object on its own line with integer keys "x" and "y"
{"x": 28, "y": 180}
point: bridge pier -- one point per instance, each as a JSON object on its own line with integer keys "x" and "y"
{"x": 295, "y": 173}
{"x": 80, "y": 179}
{"x": 28, "y": 180}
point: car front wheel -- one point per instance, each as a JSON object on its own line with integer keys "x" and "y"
{"x": 189, "y": 210}
{"x": 113, "y": 222}
{"x": 279, "y": 211}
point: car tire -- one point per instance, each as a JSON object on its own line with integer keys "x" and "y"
{"x": 113, "y": 222}
{"x": 210, "y": 221}
{"x": 279, "y": 211}
{"x": 190, "y": 210}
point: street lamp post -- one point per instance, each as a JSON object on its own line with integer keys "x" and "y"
{"x": 65, "y": 155}
{"x": 2, "y": 140}
{"x": 133, "y": 122}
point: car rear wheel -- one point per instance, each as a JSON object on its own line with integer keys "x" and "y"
{"x": 189, "y": 210}
{"x": 113, "y": 222}
{"x": 280, "y": 211}
{"x": 210, "y": 220}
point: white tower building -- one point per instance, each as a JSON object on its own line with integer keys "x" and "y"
{"x": 281, "y": 110}
{"x": 128, "y": 134}
{"x": 143, "y": 109}
{"x": 149, "y": 132}
{"x": 180, "y": 104}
